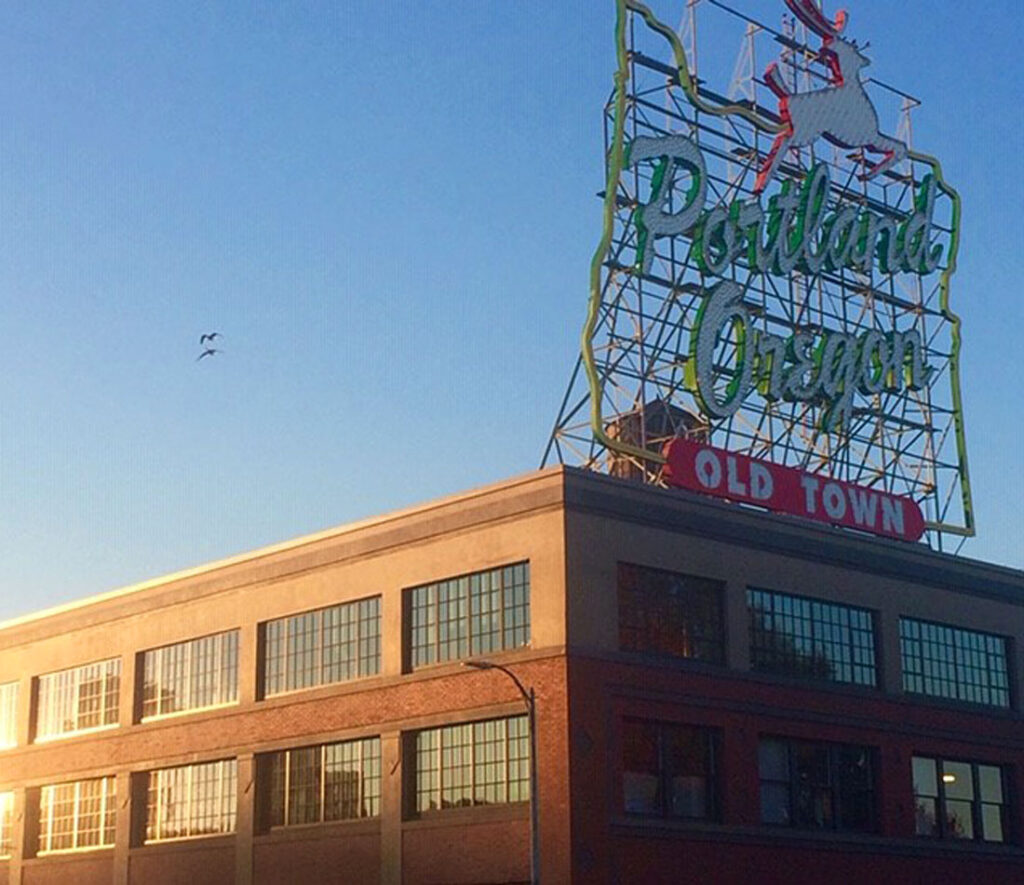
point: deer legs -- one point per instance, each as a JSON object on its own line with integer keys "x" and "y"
{"x": 772, "y": 161}
{"x": 894, "y": 152}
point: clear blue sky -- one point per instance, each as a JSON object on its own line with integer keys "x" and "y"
{"x": 388, "y": 209}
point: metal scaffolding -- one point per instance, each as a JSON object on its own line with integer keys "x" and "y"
{"x": 632, "y": 388}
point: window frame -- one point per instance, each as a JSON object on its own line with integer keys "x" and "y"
{"x": 833, "y": 750}
{"x": 6, "y": 823}
{"x": 108, "y": 798}
{"x": 231, "y": 812}
{"x": 818, "y": 634}
{"x": 471, "y": 764}
{"x": 286, "y": 657}
{"x": 712, "y": 737}
{"x": 10, "y": 694}
{"x": 188, "y": 646}
{"x": 715, "y": 587}
{"x": 977, "y": 802}
{"x": 72, "y": 693}
{"x": 266, "y": 769}
{"x": 432, "y": 652}
{"x": 955, "y": 665}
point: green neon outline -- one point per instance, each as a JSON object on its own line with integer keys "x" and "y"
{"x": 616, "y": 164}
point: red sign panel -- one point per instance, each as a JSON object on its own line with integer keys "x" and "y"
{"x": 713, "y": 471}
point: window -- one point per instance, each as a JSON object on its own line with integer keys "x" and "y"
{"x": 8, "y": 715}
{"x": 190, "y": 675}
{"x": 817, "y": 786}
{"x": 471, "y": 615}
{"x": 191, "y": 800}
{"x": 6, "y": 824}
{"x": 804, "y": 637}
{"x": 330, "y": 645}
{"x": 77, "y": 816}
{"x": 325, "y": 783}
{"x": 667, "y": 613}
{"x": 668, "y": 770}
{"x": 79, "y": 699}
{"x": 948, "y": 662}
{"x": 477, "y": 763}
{"x": 960, "y": 800}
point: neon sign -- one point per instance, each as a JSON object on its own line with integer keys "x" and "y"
{"x": 775, "y": 285}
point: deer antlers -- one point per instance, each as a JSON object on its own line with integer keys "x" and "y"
{"x": 807, "y": 11}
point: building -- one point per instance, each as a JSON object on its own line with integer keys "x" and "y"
{"x": 723, "y": 695}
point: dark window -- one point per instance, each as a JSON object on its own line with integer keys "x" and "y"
{"x": 668, "y": 613}
{"x": 960, "y": 800}
{"x": 474, "y": 614}
{"x": 475, "y": 763}
{"x": 319, "y": 647}
{"x": 816, "y": 786}
{"x": 668, "y": 770}
{"x": 804, "y": 637}
{"x": 948, "y": 662}
{"x": 323, "y": 783}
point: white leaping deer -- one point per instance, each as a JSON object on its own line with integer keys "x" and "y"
{"x": 842, "y": 112}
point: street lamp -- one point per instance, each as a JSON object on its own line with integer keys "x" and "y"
{"x": 531, "y": 714}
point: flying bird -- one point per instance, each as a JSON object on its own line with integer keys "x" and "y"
{"x": 209, "y": 336}
{"x": 210, "y": 351}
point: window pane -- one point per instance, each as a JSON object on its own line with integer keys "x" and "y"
{"x": 77, "y": 815}
{"x": 321, "y": 647}
{"x": 926, "y": 782}
{"x": 191, "y": 675}
{"x": 950, "y": 662}
{"x": 969, "y": 799}
{"x": 469, "y": 615}
{"x": 990, "y": 782}
{"x": 641, "y": 768}
{"x": 478, "y": 763}
{"x": 817, "y": 785}
{"x": 78, "y": 699}
{"x": 959, "y": 824}
{"x": 304, "y": 782}
{"x": 801, "y": 637}
{"x": 667, "y": 613}
{"x": 192, "y": 800}
{"x": 686, "y": 754}
{"x": 6, "y": 819}
{"x": 925, "y": 820}
{"x": 8, "y": 715}
{"x": 992, "y": 823}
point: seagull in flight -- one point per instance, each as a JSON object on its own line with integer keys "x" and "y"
{"x": 210, "y": 351}
{"x": 209, "y": 336}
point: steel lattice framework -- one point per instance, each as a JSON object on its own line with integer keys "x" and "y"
{"x": 633, "y": 386}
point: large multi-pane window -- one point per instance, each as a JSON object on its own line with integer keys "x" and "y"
{"x": 318, "y": 647}
{"x": 190, "y": 675}
{"x": 960, "y": 800}
{"x": 817, "y": 786}
{"x": 77, "y": 816}
{"x": 324, "y": 783}
{"x": 949, "y": 662}
{"x": 668, "y": 770}
{"x": 668, "y": 613}
{"x": 796, "y": 636}
{"x": 6, "y": 823}
{"x": 476, "y": 763}
{"x": 8, "y": 715}
{"x": 470, "y": 615}
{"x": 192, "y": 800}
{"x": 79, "y": 699}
